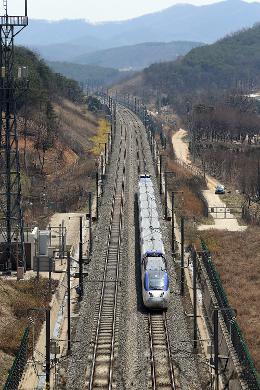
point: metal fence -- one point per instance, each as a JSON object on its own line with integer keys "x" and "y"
{"x": 248, "y": 371}
{"x": 220, "y": 212}
{"x": 17, "y": 369}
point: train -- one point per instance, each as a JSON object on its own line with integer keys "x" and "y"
{"x": 154, "y": 274}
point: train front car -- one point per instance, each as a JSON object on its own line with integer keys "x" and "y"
{"x": 155, "y": 281}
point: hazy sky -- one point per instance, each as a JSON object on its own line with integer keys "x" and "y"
{"x": 93, "y": 10}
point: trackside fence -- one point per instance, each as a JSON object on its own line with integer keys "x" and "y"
{"x": 17, "y": 369}
{"x": 248, "y": 372}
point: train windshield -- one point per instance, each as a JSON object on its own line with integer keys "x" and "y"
{"x": 156, "y": 280}
{"x": 156, "y": 268}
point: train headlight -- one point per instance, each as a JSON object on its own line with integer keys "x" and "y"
{"x": 150, "y": 294}
{"x": 162, "y": 294}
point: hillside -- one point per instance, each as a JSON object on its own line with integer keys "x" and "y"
{"x": 139, "y": 56}
{"x": 55, "y": 131}
{"x": 183, "y": 22}
{"x": 88, "y": 73}
{"x": 61, "y": 51}
{"x": 229, "y": 63}
{"x": 44, "y": 84}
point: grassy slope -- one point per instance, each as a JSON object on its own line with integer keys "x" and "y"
{"x": 237, "y": 258}
{"x": 54, "y": 114}
{"x": 60, "y": 171}
{"x": 15, "y": 301}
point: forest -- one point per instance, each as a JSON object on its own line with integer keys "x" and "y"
{"x": 225, "y": 138}
{"x": 54, "y": 129}
{"x": 230, "y": 63}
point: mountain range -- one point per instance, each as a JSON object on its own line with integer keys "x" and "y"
{"x": 66, "y": 40}
{"x": 136, "y": 57}
{"x": 88, "y": 74}
{"x": 231, "y": 63}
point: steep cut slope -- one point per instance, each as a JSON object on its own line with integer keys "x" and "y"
{"x": 55, "y": 132}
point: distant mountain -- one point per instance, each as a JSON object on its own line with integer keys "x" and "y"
{"x": 229, "y": 63}
{"x": 137, "y": 57}
{"x": 60, "y": 51}
{"x": 181, "y": 22}
{"x": 88, "y": 74}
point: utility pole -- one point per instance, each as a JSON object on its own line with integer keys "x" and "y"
{"x": 173, "y": 227}
{"x": 97, "y": 198}
{"x": 195, "y": 333}
{"x": 11, "y": 215}
{"x": 105, "y": 156}
{"x": 90, "y": 222}
{"x": 258, "y": 179}
{"x": 68, "y": 301}
{"x": 81, "y": 292}
{"x": 165, "y": 197}
{"x": 48, "y": 348}
{"x": 160, "y": 174}
{"x": 216, "y": 353}
{"x": 102, "y": 165}
{"x": 182, "y": 256}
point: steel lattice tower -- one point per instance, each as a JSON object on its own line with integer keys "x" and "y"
{"x": 11, "y": 215}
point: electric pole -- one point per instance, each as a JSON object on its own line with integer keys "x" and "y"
{"x": 11, "y": 215}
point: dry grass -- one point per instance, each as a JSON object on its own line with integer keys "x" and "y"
{"x": 65, "y": 180}
{"x": 133, "y": 86}
{"x": 188, "y": 200}
{"x": 101, "y": 137}
{"x": 77, "y": 126}
{"x": 237, "y": 258}
{"x": 16, "y": 300}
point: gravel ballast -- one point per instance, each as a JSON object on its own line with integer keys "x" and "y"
{"x": 132, "y": 360}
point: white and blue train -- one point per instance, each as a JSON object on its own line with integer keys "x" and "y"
{"x": 155, "y": 279}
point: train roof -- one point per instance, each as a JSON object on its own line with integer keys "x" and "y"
{"x": 150, "y": 230}
{"x": 155, "y": 264}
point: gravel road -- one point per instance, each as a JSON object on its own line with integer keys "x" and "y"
{"x": 223, "y": 218}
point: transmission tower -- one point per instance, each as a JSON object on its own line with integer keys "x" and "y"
{"x": 11, "y": 215}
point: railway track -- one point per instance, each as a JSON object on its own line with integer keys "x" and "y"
{"x": 162, "y": 370}
{"x": 140, "y": 155}
{"x": 101, "y": 373}
{"x": 103, "y": 354}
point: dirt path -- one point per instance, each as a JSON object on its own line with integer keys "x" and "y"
{"x": 181, "y": 147}
{"x": 223, "y": 219}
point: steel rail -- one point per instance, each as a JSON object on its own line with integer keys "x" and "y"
{"x": 160, "y": 350}
{"x": 159, "y": 334}
{"x": 115, "y": 221}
